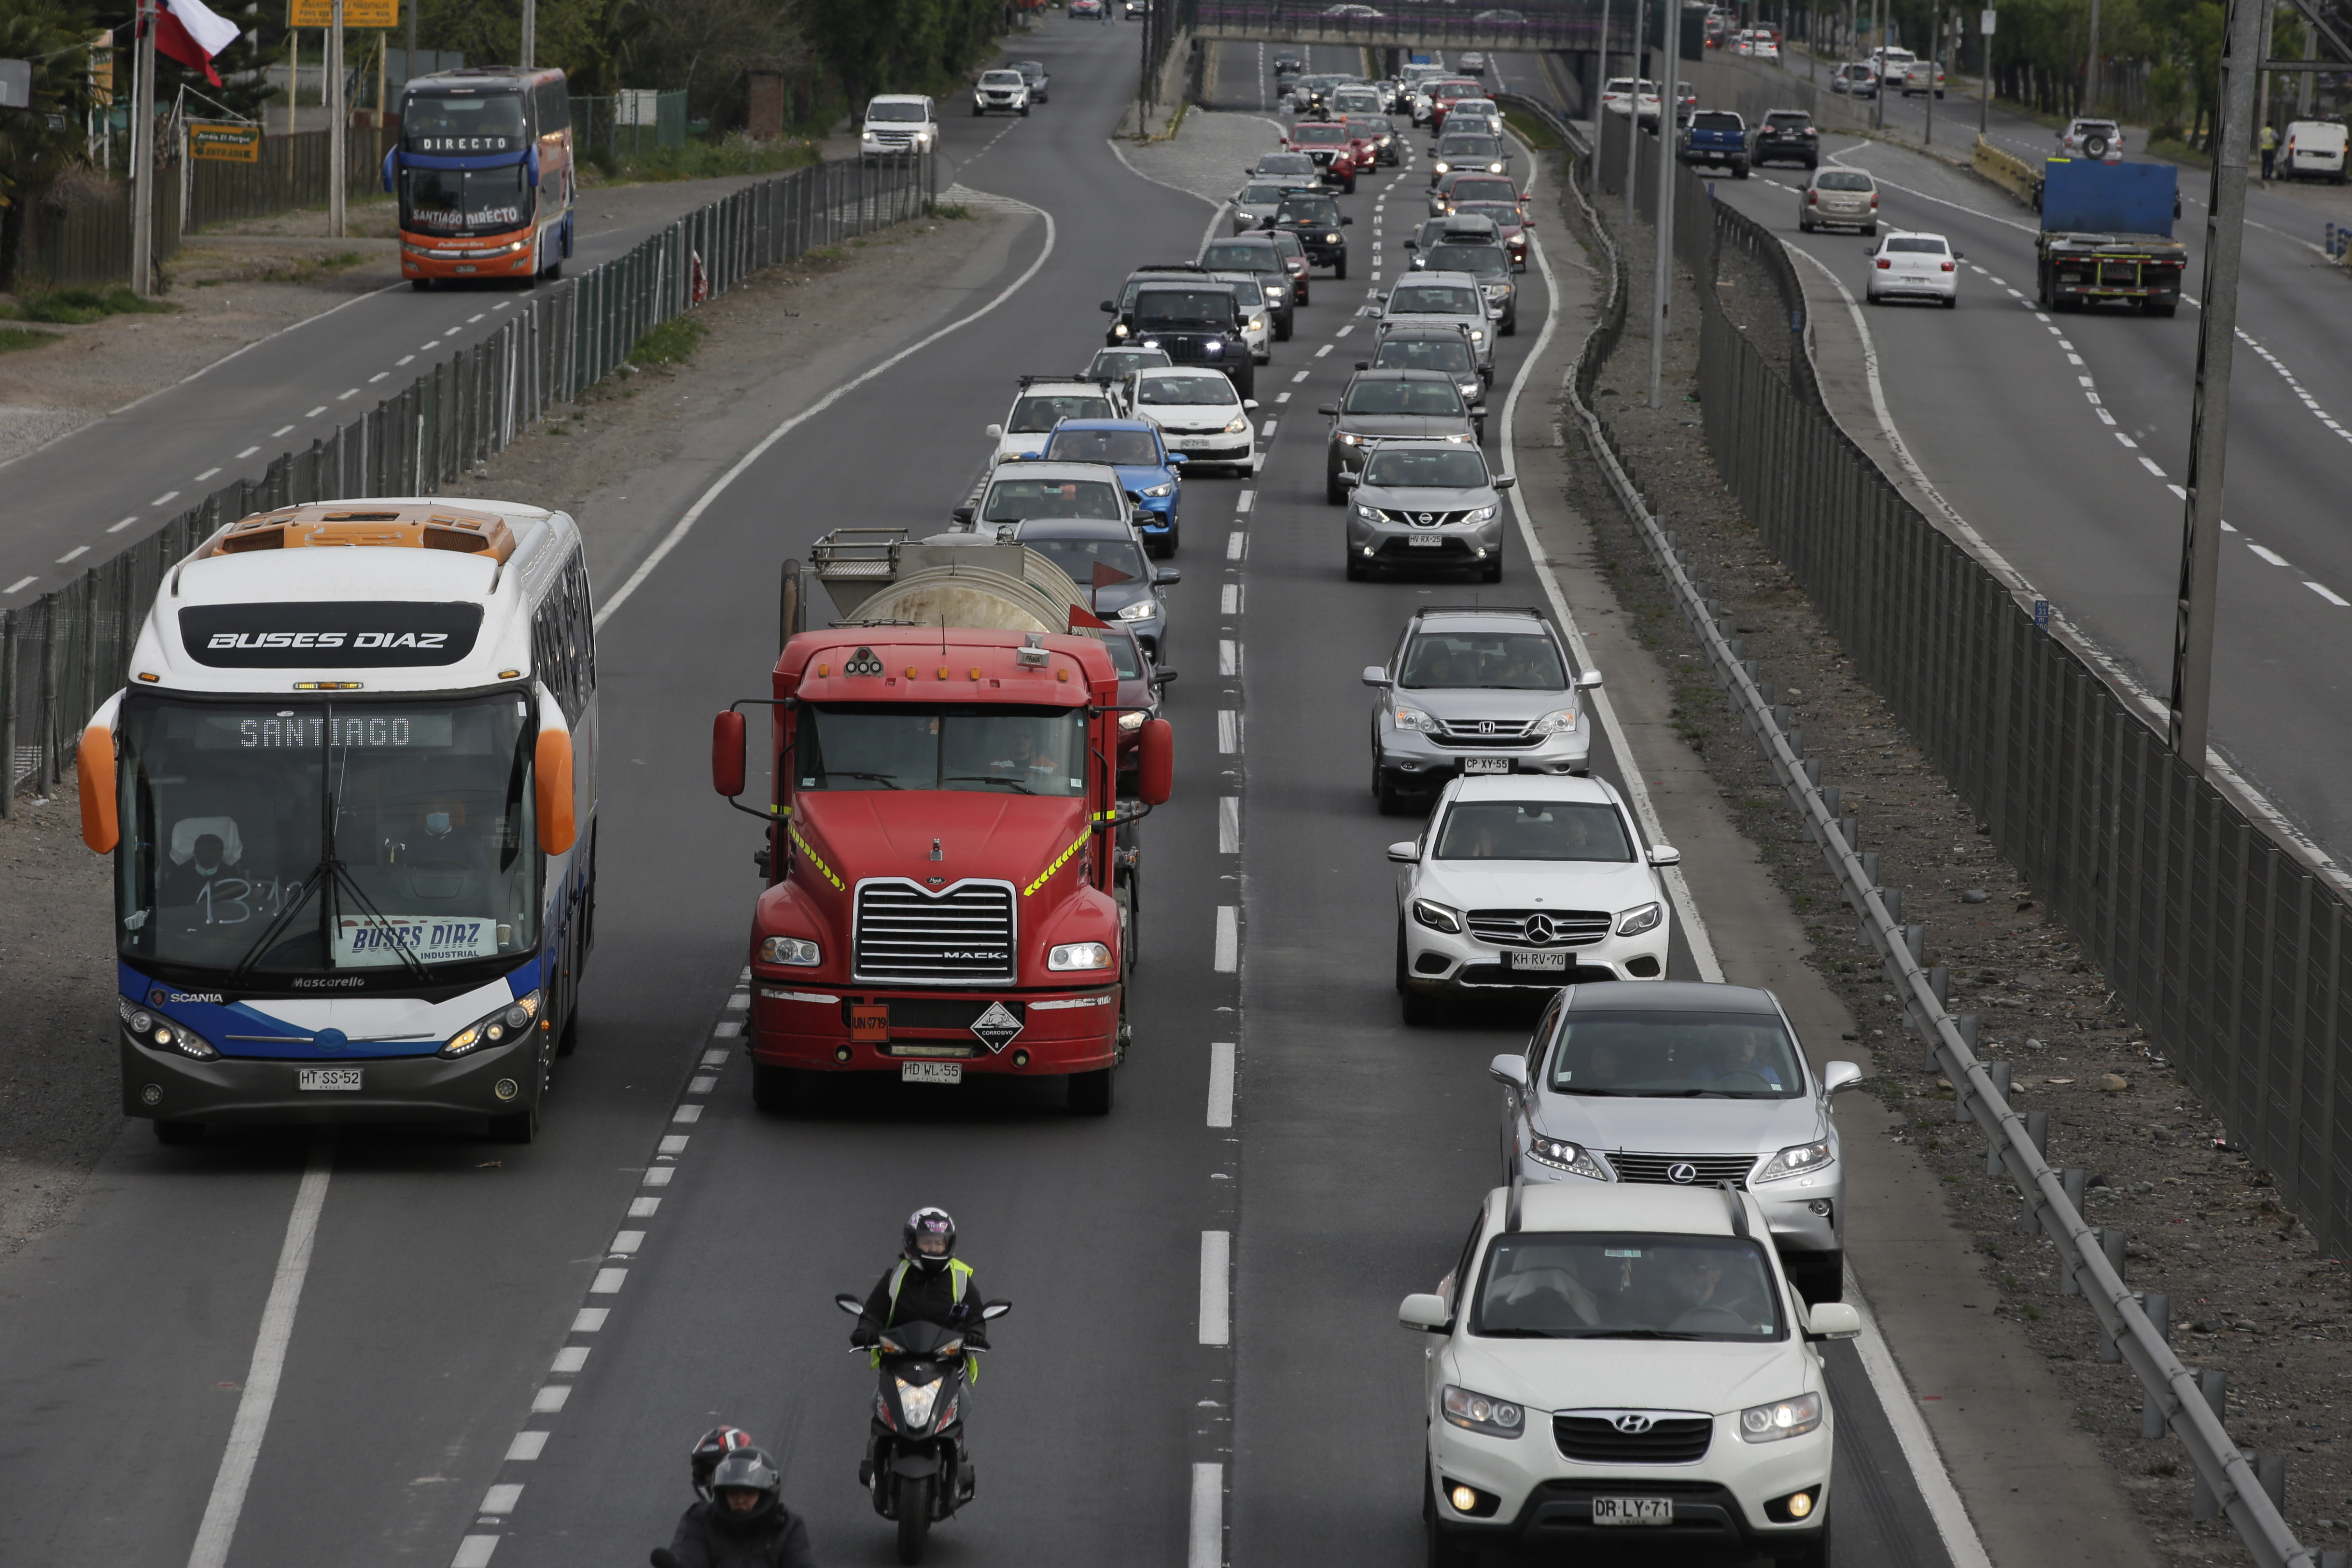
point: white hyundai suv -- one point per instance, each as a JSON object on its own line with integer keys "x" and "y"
{"x": 1624, "y": 1367}
{"x": 1522, "y": 881}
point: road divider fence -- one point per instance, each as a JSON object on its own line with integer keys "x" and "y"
{"x": 2233, "y": 952}
{"x": 64, "y": 652}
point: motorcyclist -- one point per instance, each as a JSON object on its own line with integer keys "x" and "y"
{"x": 708, "y": 1449}
{"x": 745, "y": 1524}
{"x": 929, "y": 1284}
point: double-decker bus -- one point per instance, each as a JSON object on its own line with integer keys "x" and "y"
{"x": 484, "y": 173}
{"x": 350, "y": 790}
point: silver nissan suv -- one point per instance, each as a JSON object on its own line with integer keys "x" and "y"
{"x": 1475, "y": 690}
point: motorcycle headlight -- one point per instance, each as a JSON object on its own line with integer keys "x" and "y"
{"x": 791, "y": 950}
{"x": 1783, "y": 1418}
{"x": 498, "y": 1028}
{"x": 1802, "y": 1160}
{"x": 1560, "y": 721}
{"x": 917, "y": 1399}
{"x": 1635, "y": 921}
{"x": 1477, "y": 1413}
{"x": 1078, "y": 955}
{"x": 1561, "y": 1155}
{"x": 1236, "y": 427}
{"x": 1416, "y": 721}
{"x": 1157, "y": 491}
{"x": 1141, "y": 610}
{"x": 1130, "y": 721}
{"x": 1437, "y": 916}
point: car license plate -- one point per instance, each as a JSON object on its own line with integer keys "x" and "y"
{"x": 1556, "y": 962}
{"x": 1485, "y": 764}
{"x": 1633, "y": 1510}
{"x": 930, "y": 1072}
{"x": 1425, "y": 541}
{"x": 346, "y": 1079}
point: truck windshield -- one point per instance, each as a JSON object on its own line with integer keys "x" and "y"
{"x": 898, "y": 746}
{"x": 285, "y": 839}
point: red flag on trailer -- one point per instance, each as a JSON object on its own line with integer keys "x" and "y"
{"x": 1080, "y": 617}
{"x": 187, "y": 32}
{"x": 1105, "y": 576}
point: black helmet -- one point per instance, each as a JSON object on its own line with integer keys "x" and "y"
{"x": 709, "y": 1449}
{"x": 745, "y": 1470}
{"x": 924, "y": 1226}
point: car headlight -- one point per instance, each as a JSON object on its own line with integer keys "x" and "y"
{"x": 1470, "y": 390}
{"x": 1493, "y": 168}
{"x": 1559, "y": 722}
{"x": 1369, "y": 514}
{"x": 1236, "y": 427}
{"x": 1441, "y": 165}
{"x": 1079, "y": 955}
{"x": 791, "y": 950}
{"x": 1275, "y": 292}
{"x": 1131, "y": 722}
{"x": 499, "y": 1027}
{"x": 1784, "y": 1418}
{"x": 1421, "y": 723}
{"x": 1214, "y": 347}
{"x": 1460, "y": 438}
{"x": 1330, "y": 239}
{"x": 1479, "y": 514}
{"x": 1141, "y": 610}
{"x": 163, "y": 1033}
{"x": 1256, "y": 324}
{"x": 1802, "y": 1160}
{"x": 1155, "y": 492}
{"x": 1498, "y": 290}
{"x": 1478, "y": 1413}
{"x": 1119, "y": 330}
{"x": 1635, "y": 921}
{"x": 1477, "y": 336}
{"x": 917, "y": 1399}
{"x": 1346, "y": 439}
{"x": 1563, "y": 1155}
{"x": 1437, "y": 916}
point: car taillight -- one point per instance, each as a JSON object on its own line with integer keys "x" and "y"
{"x": 1948, "y": 267}
{"x": 1874, "y": 201}
{"x": 1884, "y": 264}
{"x": 1813, "y": 198}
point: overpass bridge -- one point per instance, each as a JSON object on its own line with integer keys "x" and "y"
{"x": 1574, "y": 30}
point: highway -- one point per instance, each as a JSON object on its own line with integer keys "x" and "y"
{"x": 458, "y": 1298}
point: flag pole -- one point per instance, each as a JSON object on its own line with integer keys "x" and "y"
{"x": 142, "y": 158}
{"x": 338, "y": 151}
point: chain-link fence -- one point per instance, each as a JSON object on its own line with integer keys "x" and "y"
{"x": 61, "y": 654}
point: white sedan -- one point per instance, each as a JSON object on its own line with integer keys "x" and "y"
{"x": 1905, "y": 266}
{"x": 1200, "y": 414}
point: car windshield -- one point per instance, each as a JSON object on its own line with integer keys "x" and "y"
{"x": 2094, "y": 128}
{"x": 1177, "y": 309}
{"x": 1738, "y": 1056}
{"x": 1385, "y": 395}
{"x": 1788, "y": 122}
{"x": 892, "y": 746}
{"x": 1468, "y": 147}
{"x": 1917, "y": 247}
{"x": 1133, "y": 448}
{"x": 894, "y": 114}
{"x": 1586, "y": 1285}
{"x": 1258, "y": 196}
{"x": 1451, "y": 469}
{"x": 1125, "y": 658}
{"x": 1841, "y": 180}
{"x": 229, "y": 862}
{"x": 1312, "y": 134}
{"x": 1187, "y": 391}
{"x": 1243, "y": 257}
{"x": 1620, "y": 84}
{"x": 1714, "y": 120}
{"x": 1029, "y": 68}
{"x": 1286, "y": 163}
{"x": 1478, "y": 260}
{"x": 1012, "y": 499}
{"x": 1532, "y": 830}
{"x": 1077, "y": 558}
{"x": 1503, "y": 661}
{"x": 463, "y": 123}
{"x": 1433, "y": 300}
{"x": 1484, "y": 188}
{"x": 1118, "y": 364}
{"x": 1451, "y": 356}
{"x": 1000, "y": 79}
{"x": 1322, "y": 211}
{"x": 1036, "y": 414}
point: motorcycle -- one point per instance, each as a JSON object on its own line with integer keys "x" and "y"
{"x": 919, "y": 1471}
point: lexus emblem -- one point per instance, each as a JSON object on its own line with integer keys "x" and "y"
{"x": 1682, "y": 1173}
{"x": 1634, "y": 1424}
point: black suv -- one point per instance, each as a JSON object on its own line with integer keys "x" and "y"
{"x": 1258, "y": 254}
{"x": 1314, "y": 218}
{"x": 1785, "y": 136}
{"x": 1193, "y": 320}
{"x": 1116, "y": 336}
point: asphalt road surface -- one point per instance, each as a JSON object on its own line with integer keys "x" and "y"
{"x": 1136, "y": 1399}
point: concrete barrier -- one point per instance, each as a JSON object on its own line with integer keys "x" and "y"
{"x": 2010, "y": 173}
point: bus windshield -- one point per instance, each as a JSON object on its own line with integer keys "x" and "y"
{"x": 463, "y": 201}
{"x": 281, "y": 839}
{"x": 440, "y": 122}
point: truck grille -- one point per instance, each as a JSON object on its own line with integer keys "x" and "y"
{"x": 961, "y": 936}
{"x": 1540, "y": 927}
{"x": 1706, "y": 1169}
{"x": 1598, "y": 1439}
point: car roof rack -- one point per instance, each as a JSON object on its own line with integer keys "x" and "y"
{"x": 1477, "y": 610}
{"x": 1079, "y": 376}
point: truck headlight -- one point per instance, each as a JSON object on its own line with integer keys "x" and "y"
{"x": 1079, "y": 955}
{"x": 1330, "y": 239}
{"x": 1437, "y": 916}
{"x": 498, "y": 1028}
{"x": 1635, "y": 921}
{"x": 1783, "y": 1418}
{"x": 1801, "y": 1160}
{"x": 1561, "y": 1155}
{"x": 1477, "y": 1413}
{"x": 791, "y": 950}
{"x": 1130, "y": 721}
{"x": 1441, "y": 166}
{"x": 1416, "y": 721}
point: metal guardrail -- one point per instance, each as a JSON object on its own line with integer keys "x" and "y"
{"x": 63, "y": 652}
{"x": 2231, "y": 1480}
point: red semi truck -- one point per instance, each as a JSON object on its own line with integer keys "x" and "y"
{"x": 952, "y": 877}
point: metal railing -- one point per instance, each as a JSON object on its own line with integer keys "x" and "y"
{"x": 1929, "y": 625}
{"x": 61, "y": 654}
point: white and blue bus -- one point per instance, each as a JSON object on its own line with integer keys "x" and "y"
{"x": 350, "y": 789}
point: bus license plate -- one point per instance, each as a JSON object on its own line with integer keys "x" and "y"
{"x": 930, "y": 1072}
{"x": 1485, "y": 764}
{"x": 347, "y": 1078}
{"x": 1553, "y": 960}
{"x": 1633, "y": 1510}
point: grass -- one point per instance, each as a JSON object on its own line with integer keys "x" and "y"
{"x": 672, "y": 342}
{"x": 14, "y": 338}
{"x": 81, "y": 304}
{"x": 955, "y": 212}
{"x": 698, "y": 159}
{"x": 1533, "y": 131}
{"x": 299, "y": 270}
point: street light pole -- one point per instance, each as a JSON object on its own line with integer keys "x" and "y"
{"x": 142, "y": 157}
{"x": 338, "y": 148}
{"x": 1599, "y": 87}
{"x": 1633, "y": 117}
{"x": 2208, "y": 422}
{"x": 1984, "y": 71}
{"x": 1662, "y": 270}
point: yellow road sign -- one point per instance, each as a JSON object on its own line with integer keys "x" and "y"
{"x": 226, "y": 144}
{"x": 356, "y": 12}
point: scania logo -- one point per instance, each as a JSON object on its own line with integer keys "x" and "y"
{"x": 1682, "y": 1173}
{"x": 1632, "y": 1424}
{"x": 1540, "y": 927}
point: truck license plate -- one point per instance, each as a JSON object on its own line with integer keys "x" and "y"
{"x": 1556, "y": 962}
{"x": 1485, "y": 764}
{"x": 930, "y": 1072}
{"x": 347, "y": 1078}
{"x": 1633, "y": 1510}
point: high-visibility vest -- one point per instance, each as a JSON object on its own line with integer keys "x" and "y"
{"x": 958, "y": 1271}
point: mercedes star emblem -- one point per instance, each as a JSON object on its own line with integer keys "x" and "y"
{"x": 1682, "y": 1173}
{"x": 1539, "y": 928}
{"x": 1632, "y": 1425}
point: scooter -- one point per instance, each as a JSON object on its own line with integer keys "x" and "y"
{"x": 919, "y": 1471}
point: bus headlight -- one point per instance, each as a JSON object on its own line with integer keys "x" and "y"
{"x": 791, "y": 950}
{"x": 499, "y": 1028}
{"x": 162, "y": 1034}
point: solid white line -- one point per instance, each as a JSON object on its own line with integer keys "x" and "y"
{"x": 253, "y": 1403}
{"x": 1229, "y": 825}
{"x": 1918, "y": 1445}
{"x": 1220, "y": 1083}
{"x": 1206, "y": 1547}
{"x": 685, "y": 525}
{"x": 1216, "y": 1270}
{"x": 1228, "y": 956}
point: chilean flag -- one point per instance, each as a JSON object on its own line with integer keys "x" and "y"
{"x": 188, "y": 33}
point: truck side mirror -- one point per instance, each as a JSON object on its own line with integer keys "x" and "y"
{"x": 727, "y": 753}
{"x": 1158, "y": 743}
{"x": 551, "y": 773}
{"x": 1110, "y": 309}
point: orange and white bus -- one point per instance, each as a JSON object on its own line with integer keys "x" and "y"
{"x": 484, "y": 173}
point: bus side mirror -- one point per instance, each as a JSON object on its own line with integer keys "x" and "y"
{"x": 1158, "y": 770}
{"x": 101, "y": 829}
{"x": 553, "y": 775}
{"x": 391, "y": 161}
{"x": 727, "y": 754}
{"x": 531, "y": 160}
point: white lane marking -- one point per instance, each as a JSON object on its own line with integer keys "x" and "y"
{"x": 726, "y": 1029}
{"x": 685, "y": 525}
{"x": 2272, "y": 556}
{"x": 428, "y": 348}
{"x": 1229, "y": 731}
{"x": 209, "y": 473}
{"x": 1324, "y": 350}
{"x": 1244, "y": 500}
{"x": 404, "y": 358}
{"x": 1911, "y": 1433}
{"x": 1299, "y": 377}
{"x": 1229, "y": 825}
{"x": 2328, "y": 594}
{"x": 550, "y": 1399}
{"x": 626, "y": 1242}
{"x": 2124, "y": 438}
{"x": 1234, "y": 542}
{"x": 659, "y": 1175}
{"x": 281, "y": 430}
{"x": 1221, "y": 1084}
{"x": 2073, "y": 359}
{"x": 701, "y": 1084}
{"x": 340, "y": 396}
{"x": 76, "y": 550}
{"x": 19, "y": 583}
{"x": 607, "y": 1281}
{"x": 715, "y": 1059}
{"x": 501, "y": 1498}
{"x": 590, "y": 1320}
{"x": 643, "y": 1208}
{"x": 315, "y": 412}
{"x": 474, "y": 1551}
{"x": 1206, "y": 1546}
{"x": 378, "y": 376}
{"x": 2085, "y": 381}
{"x": 500, "y": 306}
{"x": 249, "y": 452}
{"x": 246, "y": 1432}
{"x": 570, "y": 1358}
{"x": 2104, "y": 417}
{"x": 527, "y": 1445}
{"x": 1281, "y": 398}
{"x": 118, "y": 528}
{"x": 471, "y": 320}
{"x": 1229, "y": 599}
{"x": 1229, "y": 939}
{"x": 166, "y": 497}
{"x": 1343, "y": 331}
{"x": 2180, "y": 493}
{"x": 2151, "y": 467}
{"x": 1229, "y": 656}
{"x": 687, "y": 1114}
{"x": 1216, "y": 1283}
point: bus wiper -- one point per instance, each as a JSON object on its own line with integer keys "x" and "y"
{"x": 877, "y": 778}
{"x": 367, "y": 905}
{"x": 277, "y": 927}
{"x": 988, "y": 778}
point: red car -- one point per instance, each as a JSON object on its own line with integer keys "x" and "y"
{"x": 1511, "y": 225}
{"x": 1334, "y": 151}
{"x": 1294, "y": 261}
{"x": 1444, "y": 95}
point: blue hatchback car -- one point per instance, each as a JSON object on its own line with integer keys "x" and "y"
{"x": 1146, "y": 468}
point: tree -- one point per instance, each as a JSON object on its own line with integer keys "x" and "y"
{"x": 38, "y": 143}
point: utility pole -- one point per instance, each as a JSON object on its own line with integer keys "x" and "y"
{"x": 530, "y": 32}
{"x": 338, "y": 148}
{"x": 408, "y": 70}
{"x": 2303, "y": 79}
{"x": 1934, "y": 63}
{"x": 2244, "y": 44}
{"x": 1878, "y": 73}
{"x": 1661, "y": 271}
{"x": 2091, "y": 65}
{"x": 1600, "y": 86}
{"x": 1984, "y": 72}
{"x": 142, "y": 157}
{"x": 1633, "y": 117}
